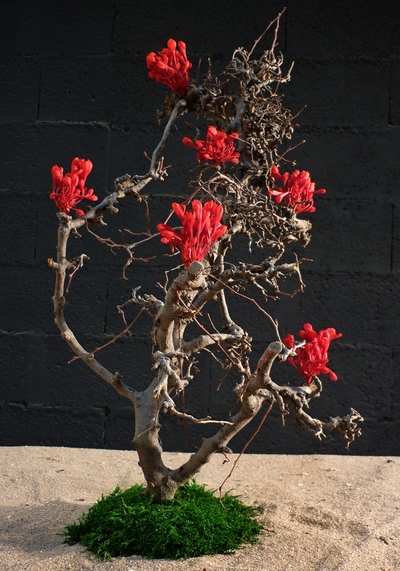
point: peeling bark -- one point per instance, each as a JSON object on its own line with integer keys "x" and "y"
{"x": 254, "y": 109}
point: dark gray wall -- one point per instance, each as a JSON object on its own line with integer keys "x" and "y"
{"x": 74, "y": 83}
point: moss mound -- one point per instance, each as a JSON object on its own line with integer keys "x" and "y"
{"x": 193, "y": 524}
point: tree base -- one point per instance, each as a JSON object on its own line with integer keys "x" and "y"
{"x": 193, "y": 524}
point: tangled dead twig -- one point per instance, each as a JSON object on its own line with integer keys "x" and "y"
{"x": 245, "y": 104}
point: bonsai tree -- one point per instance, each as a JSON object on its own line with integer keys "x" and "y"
{"x": 245, "y": 185}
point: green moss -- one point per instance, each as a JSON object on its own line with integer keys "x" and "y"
{"x": 193, "y": 524}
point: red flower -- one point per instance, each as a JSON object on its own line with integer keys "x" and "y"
{"x": 312, "y": 358}
{"x": 70, "y": 189}
{"x": 297, "y": 191}
{"x": 200, "y": 230}
{"x": 171, "y": 67}
{"x": 218, "y": 147}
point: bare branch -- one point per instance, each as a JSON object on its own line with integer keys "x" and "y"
{"x": 202, "y": 341}
{"x": 245, "y": 104}
{"x": 133, "y": 185}
{"x": 178, "y": 109}
{"x": 60, "y": 268}
{"x": 169, "y": 406}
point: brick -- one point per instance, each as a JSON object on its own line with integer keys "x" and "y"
{"x": 29, "y": 308}
{"x": 87, "y": 300}
{"x": 205, "y": 30}
{"x": 119, "y": 292}
{"x": 72, "y": 383}
{"x": 355, "y": 304}
{"x": 378, "y": 439}
{"x": 88, "y": 81}
{"x": 346, "y": 235}
{"x": 222, "y": 402}
{"x": 131, "y": 217}
{"x": 130, "y": 220}
{"x": 69, "y": 383}
{"x": 132, "y": 146}
{"x": 27, "y": 145}
{"x": 55, "y": 28}
{"x": 19, "y": 227}
{"x": 351, "y": 164}
{"x": 394, "y": 98}
{"x": 119, "y": 429}
{"x": 395, "y": 234}
{"x": 344, "y": 28}
{"x": 364, "y": 383}
{"x": 147, "y": 276}
{"x": 128, "y": 145}
{"x": 46, "y": 236}
{"x": 338, "y": 93}
{"x": 41, "y": 370}
{"x": 360, "y": 385}
{"x": 25, "y": 307}
{"x": 394, "y": 387}
{"x": 349, "y": 236}
{"x": 111, "y": 89}
{"x": 22, "y": 356}
{"x": 177, "y": 438}
{"x": 20, "y": 80}
{"x": 365, "y": 380}
{"x": 38, "y": 425}
{"x": 131, "y": 356}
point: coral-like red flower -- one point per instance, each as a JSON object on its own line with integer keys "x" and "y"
{"x": 312, "y": 358}
{"x": 200, "y": 230}
{"x": 69, "y": 189}
{"x": 171, "y": 66}
{"x": 217, "y": 148}
{"x": 297, "y": 191}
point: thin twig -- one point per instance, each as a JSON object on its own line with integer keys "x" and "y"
{"x": 245, "y": 448}
{"x": 114, "y": 339}
{"x": 273, "y": 321}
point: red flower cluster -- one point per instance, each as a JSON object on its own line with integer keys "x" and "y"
{"x": 297, "y": 191}
{"x": 218, "y": 147}
{"x": 200, "y": 230}
{"x": 171, "y": 67}
{"x": 70, "y": 189}
{"x": 312, "y": 358}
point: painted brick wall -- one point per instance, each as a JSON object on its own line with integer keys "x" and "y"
{"x": 73, "y": 83}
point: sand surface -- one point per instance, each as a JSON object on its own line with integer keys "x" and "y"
{"x": 328, "y": 513}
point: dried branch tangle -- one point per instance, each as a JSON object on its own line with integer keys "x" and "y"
{"x": 245, "y": 99}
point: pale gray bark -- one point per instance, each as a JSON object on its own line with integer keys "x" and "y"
{"x": 256, "y": 113}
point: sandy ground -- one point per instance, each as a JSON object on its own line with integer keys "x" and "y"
{"x": 328, "y": 513}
